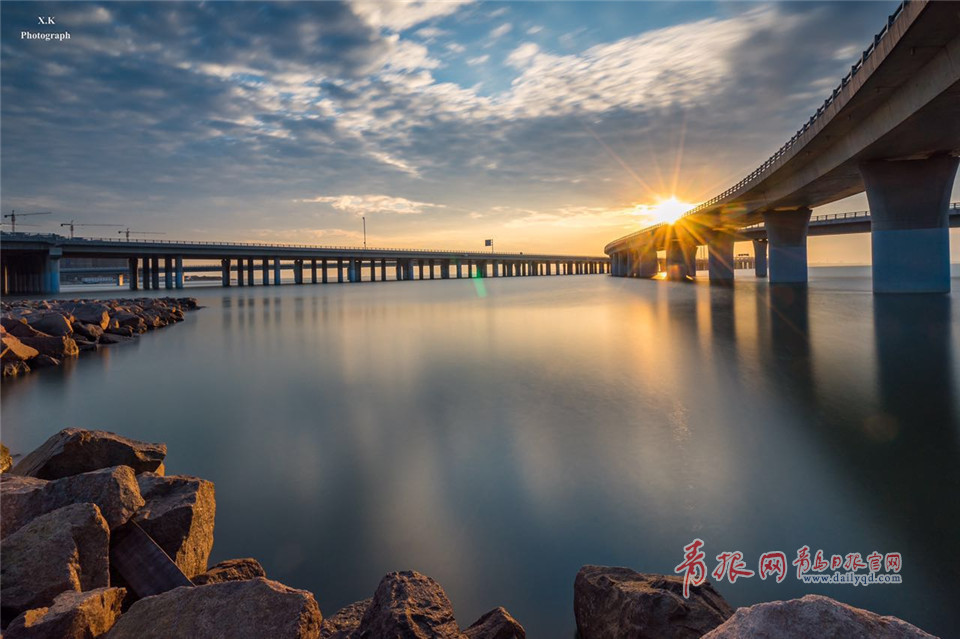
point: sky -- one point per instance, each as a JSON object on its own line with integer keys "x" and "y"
{"x": 546, "y": 126}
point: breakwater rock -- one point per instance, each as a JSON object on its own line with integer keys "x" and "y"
{"x": 38, "y": 333}
{"x": 97, "y": 541}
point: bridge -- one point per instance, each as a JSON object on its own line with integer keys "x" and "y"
{"x": 30, "y": 263}
{"x": 891, "y": 128}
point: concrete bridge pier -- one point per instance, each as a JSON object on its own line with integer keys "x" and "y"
{"x": 910, "y": 229}
{"x": 277, "y": 277}
{"x": 459, "y": 270}
{"x": 678, "y": 264}
{"x": 178, "y": 272}
{"x": 265, "y": 271}
{"x": 224, "y": 273}
{"x": 240, "y": 271}
{"x": 383, "y": 270}
{"x": 155, "y": 266}
{"x": 145, "y": 275}
{"x": 168, "y": 273}
{"x": 649, "y": 265}
{"x": 373, "y": 270}
{"x": 787, "y": 235}
{"x": 352, "y": 271}
{"x": 133, "y": 273}
{"x": 720, "y": 257}
{"x": 760, "y": 257}
{"x": 340, "y": 271}
{"x": 251, "y": 272}
{"x": 298, "y": 271}
{"x": 323, "y": 271}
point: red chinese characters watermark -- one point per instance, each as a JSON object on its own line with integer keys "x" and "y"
{"x": 693, "y": 567}
{"x": 732, "y": 566}
{"x": 774, "y": 562}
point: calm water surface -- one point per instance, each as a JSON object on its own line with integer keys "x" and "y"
{"x": 499, "y": 435}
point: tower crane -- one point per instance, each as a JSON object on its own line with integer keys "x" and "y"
{"x": 72, "y": 224}
{"x": 127, "y": 232}
{"x": 13, "y": 215}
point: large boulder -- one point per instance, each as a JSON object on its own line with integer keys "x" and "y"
{"x": 179, "y": 515}
{"x": 91, "y": 332}
{"x": 231, "y": 570}
{"x": 134, "y": 321}
{"x": 252, "y": 609}
{"x": 51, "y": 324}
{"x": 15, "y": 350}
{"x": 66, "y": 549}
{"x": 113, "y": 490}
{"x": 496, "y": 624}
{"x": 58, "y": 347}
{"x": 76, "y": 450}
{"x": 408, "y": 605}
{"x": 346, "y": 622}
{"x": 22, "y": 329}
{"x": 72, "y": 615}
{"x": 90, "y": 313}
{"x": 610, "y": 603}
{"x": 812, "y": 616}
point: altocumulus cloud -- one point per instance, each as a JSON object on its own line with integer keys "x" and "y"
{"x": 226, "y": 115}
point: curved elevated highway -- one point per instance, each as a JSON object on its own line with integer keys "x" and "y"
{"x": 892, "y": 129}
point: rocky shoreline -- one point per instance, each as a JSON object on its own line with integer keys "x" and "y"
{"x": 97, "y": 541}
{"x": 43, "y": 333}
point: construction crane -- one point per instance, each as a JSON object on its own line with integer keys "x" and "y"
{"x": 72, "y": 224}
{"x": 127, "y": 232}
{"x": 13, "y": 215}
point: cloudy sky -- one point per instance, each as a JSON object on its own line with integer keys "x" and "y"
{"x": 548, "y": 126}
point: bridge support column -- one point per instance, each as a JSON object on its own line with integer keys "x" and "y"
{"x": 323, "y": 271}
{"x": 50, "y": 282}
{"x": 313, "y": 271}
{"x": 760, "y": 258}
{"x": 720, "y": 257}
{"x": 383, "y": 270}
{"x": 277, "y": 276}
{"x": 399, "y": 271}
{"x": 240, "y": 271}
{"x": 224, "y": 273}
{"x": 787, "y": 234}
{"x": 648, "y": 262}
{"x": 265, "y": 272}
{"x": 678, "y": 262}
{"x": 178, "y": 272}
{"x": 155, "y": 273}
{"x": 459, "y": 270}
{"x": 298, "y": 271}
{"x": 373, "y": 270}
{"x": 352, "y": 269}
{"x": 251, "y": 272}
{"x": 168, "y": 273}
{"x": 134, "y": 273}
{"x": 910, "y": 226}
{"x": 340, "y": 271}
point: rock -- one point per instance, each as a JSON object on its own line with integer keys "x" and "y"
{"x": 111, "y": 337}
{"x": 812, "y": 616}
{"x": 92, "y": 332}
{"x": 76, "y": 450}
{"x": 408, "y": 605}
{"x": 496, "y": 624}
{"x": 253, "y": 609}
{"x": 113, "y": 490}
{"x": 134, "y": 321}
{"x": 52, "y": 324}
{"x": 45, "y": 361}
{"x": 231, "y": 570}
{"x": 14, "y": 368}
{"x": 6, "y": 461}
{"x": 22, "y": 329}
{"x": 345, "y": 623}
{"x": 58, "y": 347}
{"x": 73, "y": 615}
{"x": 614, "y": 602}
{"x": 66, "y": 549}
{"x": 16, "y": 350}
{"x": 179, "y": 514}
{"x": 91, "y": 313}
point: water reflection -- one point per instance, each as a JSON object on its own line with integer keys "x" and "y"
{"x": 498, "y": 443}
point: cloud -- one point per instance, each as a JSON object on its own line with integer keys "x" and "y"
{"x": 500, "y": 31}
{"x": 482, "y": 59}
{"x": 368, "y": 204}
{"x": 399, "y": 15}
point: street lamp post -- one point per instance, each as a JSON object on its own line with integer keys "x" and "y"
{"x": 364, "y": 218}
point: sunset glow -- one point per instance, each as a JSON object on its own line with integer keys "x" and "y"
{"x": 667, "y": 210}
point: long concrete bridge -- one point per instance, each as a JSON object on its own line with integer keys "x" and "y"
{"x": 891, "y": 128}
{"x": 30, "y": 262}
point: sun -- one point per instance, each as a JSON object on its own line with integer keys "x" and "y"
{"x": 666, "y": 210}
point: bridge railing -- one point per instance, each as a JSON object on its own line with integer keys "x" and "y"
{"x": 789, "y": 144}
{"x": 256, "y": 245}
{"x": 849, "y": 215}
